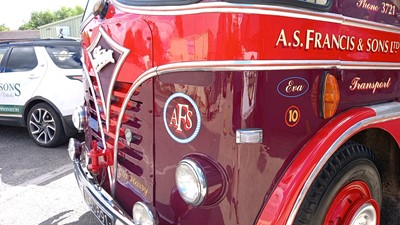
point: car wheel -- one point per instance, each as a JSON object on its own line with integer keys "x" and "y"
{"x": 347, "y": 191}
{"x": 44, "y": 126}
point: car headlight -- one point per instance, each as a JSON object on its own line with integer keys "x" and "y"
{"x": 191, "y": 182}
{"x": 143, "y": 214}
{"x": 78, "y": 117}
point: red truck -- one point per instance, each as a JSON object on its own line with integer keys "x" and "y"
{"x": 238, "y": 112}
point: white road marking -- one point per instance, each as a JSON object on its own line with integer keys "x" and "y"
{"x": 48, "y": 176}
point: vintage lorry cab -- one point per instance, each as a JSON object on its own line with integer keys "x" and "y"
{"x": 239, "y": 112}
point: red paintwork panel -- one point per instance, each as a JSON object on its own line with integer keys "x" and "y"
{"x": 131, "y": 32}
{"x": 223, "y": 36}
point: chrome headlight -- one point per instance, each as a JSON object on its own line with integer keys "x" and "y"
{"x": 143, "y": 214}
{"x": 78, "y": 117}
{"x": 191, "y": 182}
{"x": 74, "y": 149}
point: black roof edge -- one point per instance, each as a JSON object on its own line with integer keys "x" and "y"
{"x": 37, "y": 40}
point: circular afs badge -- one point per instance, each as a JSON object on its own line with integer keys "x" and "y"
{"x": 182, "y": 118}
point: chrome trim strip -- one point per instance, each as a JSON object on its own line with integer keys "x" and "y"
{"x": 236, "y": 65}
{"x": 86, "y": 74}
{"x": 89, "y": 50}
{"x": 354, "y": 65}
{"x": 118, "y": 64}
{"x": 124, "y": 53}
{"x": 224, "y": 7}
{"x": 384, "y": 112}
{"x": 99, "y": 195}
{"x": 387, "y": 110}
{"x": 274, "y": 65}
{"x": 103, "y": 139}
{"x": 10, "y": 115}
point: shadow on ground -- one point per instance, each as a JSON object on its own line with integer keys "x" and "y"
{"x": 60, "y": 218}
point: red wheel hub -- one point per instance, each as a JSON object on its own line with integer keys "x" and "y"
{"x": 353, "y": 205}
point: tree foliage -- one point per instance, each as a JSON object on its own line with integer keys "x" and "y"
{"x": 40, "y": 18}
{"x": 3, "y": 27}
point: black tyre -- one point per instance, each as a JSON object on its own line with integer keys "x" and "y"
{"x": 45, "y": 126}
{"x": 347, "y": 191}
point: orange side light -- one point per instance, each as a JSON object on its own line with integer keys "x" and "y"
{"x": 330, "y": 96}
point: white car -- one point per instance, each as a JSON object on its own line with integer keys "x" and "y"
{"x": 40, "y": 86}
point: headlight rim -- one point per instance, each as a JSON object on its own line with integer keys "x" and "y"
{"x": 150, "y": 212}
{"x": 78, "y": 117}
{"x": 201, "y": 181}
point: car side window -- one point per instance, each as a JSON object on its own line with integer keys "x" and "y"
{"x": 66, "y": 57}
{"x": 3, "y": 52}
{"x": 21, "y": 59}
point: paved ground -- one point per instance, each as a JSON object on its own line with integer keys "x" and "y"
{"x": 37, "y": 185}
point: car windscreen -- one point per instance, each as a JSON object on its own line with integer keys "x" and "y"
{"x": 65, "y": 56}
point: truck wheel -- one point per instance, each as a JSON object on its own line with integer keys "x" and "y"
{"x": 347, "y": 191}
{"x": 44, "y": 126}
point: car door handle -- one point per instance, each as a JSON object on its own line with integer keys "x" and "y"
{"x": 33, "y": 76}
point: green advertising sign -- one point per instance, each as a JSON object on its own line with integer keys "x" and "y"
{"x": 11, "y": 109}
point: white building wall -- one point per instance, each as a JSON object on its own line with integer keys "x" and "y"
{"x": 67, "y": 28}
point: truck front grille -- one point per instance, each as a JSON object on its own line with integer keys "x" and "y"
{"x": 130, "y": 154}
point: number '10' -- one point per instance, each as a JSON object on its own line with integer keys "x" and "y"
{"x": 293, "y": 116}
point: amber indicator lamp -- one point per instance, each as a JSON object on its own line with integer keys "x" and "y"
{"x": 330, "y": 96}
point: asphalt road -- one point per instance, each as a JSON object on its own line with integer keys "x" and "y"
{"x": 37, "y": 185}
